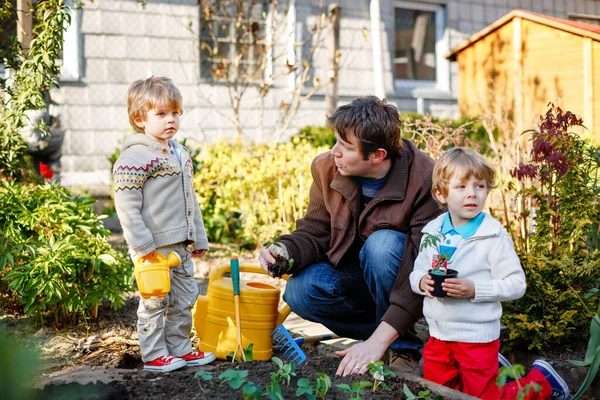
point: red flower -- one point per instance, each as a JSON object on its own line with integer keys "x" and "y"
{"x": 45, "y": 171}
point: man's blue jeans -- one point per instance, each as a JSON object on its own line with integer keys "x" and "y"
{"x": 350, "y": 300}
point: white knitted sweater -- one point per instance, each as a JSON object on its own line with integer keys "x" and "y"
{"x": 154, "y": 196}
{"x": 488, "y": 259}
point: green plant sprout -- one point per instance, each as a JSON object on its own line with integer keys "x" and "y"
{"x": 285, "y": 371}
{"x": 247, "y": 352}
{"x": 273, "y": 388}
{"x": 304, "y": 387}
{"x": 356, "y": 390}
{"x": 251, "y": 391}
{"x": 322, "y": 384}
{"x": 439, "y": 265}
{"x": 378, "y": 372}
{"x": 515, "y": 372}
{"x": 235, "y": 378}
{"x": 592, "y": 354}
{"x": 423, "y": 395}
{"x": 205, "y": 376}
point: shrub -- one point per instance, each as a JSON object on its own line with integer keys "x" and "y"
{"x": 253, "y": 193}
{"x": 318, "y": 136}
{"x": 434, "y": 136}
{"x": 57, "y": 253}
{"x": 560, "y": 182}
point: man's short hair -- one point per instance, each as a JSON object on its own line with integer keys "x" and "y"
{"x": 375, "y": 124}
{"x": 151, "y": 93}
{"x": 465, "y": 163}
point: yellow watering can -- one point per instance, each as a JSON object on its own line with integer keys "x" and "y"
{"x": 259, "y": 314}
{"x": 152, "y": 274}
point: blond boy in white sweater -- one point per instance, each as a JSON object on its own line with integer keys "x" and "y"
{"x": 462, "y": 352}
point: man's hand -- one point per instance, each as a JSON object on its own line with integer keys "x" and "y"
{"x": 459, "y": 288}
{"x": 267, "y": 255}
{"x": 357, "y": 357}
{"x": 426, "y": 285}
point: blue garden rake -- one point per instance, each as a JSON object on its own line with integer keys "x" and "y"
{"x": 290, "y": 347}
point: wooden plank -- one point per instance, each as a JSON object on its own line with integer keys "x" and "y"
{"x": 518, "y": 74}
{"x": 588, "y": 82}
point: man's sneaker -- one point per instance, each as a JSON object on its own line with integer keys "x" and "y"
{"x": 405, "y": 361}
{"x": 196, "y": 358}
{"x": 165, "y": 364}
{"x": 560, "y": 390}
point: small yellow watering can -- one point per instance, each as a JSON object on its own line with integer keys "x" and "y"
{"x": 152, "y": 274}
{"x": 259, "y": 314}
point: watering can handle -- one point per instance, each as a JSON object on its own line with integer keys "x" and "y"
{"x": 235, "y": 275}
{"x": 218, "y": 273}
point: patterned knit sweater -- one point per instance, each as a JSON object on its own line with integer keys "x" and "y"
{"x": 154, "y": 196}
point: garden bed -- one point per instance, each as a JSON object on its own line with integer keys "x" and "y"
{"x": 182, "y": 384}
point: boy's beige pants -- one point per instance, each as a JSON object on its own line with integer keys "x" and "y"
{"x": 164, "y": 325}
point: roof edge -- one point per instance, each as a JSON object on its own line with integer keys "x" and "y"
{"x": 531, "y": 16}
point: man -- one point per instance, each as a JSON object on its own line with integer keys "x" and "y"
{"x": 354, "y": 249}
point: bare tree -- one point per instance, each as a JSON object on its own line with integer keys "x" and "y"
{"x": 253, "y": 46}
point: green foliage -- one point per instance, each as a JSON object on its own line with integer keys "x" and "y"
{"x": 285, "y": 372}
{"x": 561, "y": 184}
{"x": 319, "y": 389}
{"x": 235, "y": 378}
{"x": 515, "y": 372}
{"x": 252, "y": 193}
{"x": 424, "y": 395}
{"x": 57, "y": 252}
{"x": 205, "y": 376}
{"x": 35, "y": 73}
{"x": 356, "y": 390}
{"x": 317, "y": 136}
{"x": 251, "y": 391}
{"x": 379, "y": 372}
{"x": 249, "y": 355}
{"x": 592, "y": 355}
{"x": 18, "y": 369}
{"x": 273, "y": 389}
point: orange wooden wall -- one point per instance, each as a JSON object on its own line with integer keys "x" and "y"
{"x": 552, "y": 68}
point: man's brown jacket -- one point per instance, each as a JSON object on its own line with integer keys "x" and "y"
{"x": 333, "y": 220}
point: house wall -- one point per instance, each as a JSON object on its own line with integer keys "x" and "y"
{"x": 121, "y": 42}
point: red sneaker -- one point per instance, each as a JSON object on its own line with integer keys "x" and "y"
{"x": 165, "y": 364}
{"x": 196, "y": 358}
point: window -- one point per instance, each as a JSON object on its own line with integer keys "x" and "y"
{"x": 70, "y": 65}
{"x": 419, "y": 45}
{"x": 233, "y": 44}
{"x": 18, "y": 25}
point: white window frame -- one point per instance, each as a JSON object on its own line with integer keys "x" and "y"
{"x": 442, "y": 66}
{"x": 266, "y": 41}
{"x": 70, "y": 69}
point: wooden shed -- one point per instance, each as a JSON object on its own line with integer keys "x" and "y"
{"x": 525, "y": 60}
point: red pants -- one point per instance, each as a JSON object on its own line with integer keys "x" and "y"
{"x": 472, "y": 368}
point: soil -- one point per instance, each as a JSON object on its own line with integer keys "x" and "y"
{"x": 183, "y": 384}
{"x": 100, "y": 360}
{"x": 280, "y": 267}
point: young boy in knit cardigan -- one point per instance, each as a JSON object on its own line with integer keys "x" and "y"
{"x": 464, "y": 327}
{"x": 159, "y": 212}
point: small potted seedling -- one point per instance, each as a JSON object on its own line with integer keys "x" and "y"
{"x": 439, "y": 271}
{"x": 282, "y": 265}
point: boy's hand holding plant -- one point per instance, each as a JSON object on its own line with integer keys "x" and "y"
{"x": 431, "y": 283}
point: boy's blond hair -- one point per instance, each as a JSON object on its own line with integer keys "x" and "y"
{"x": 151, "y": 93}
{"x": 464, "y": 162}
